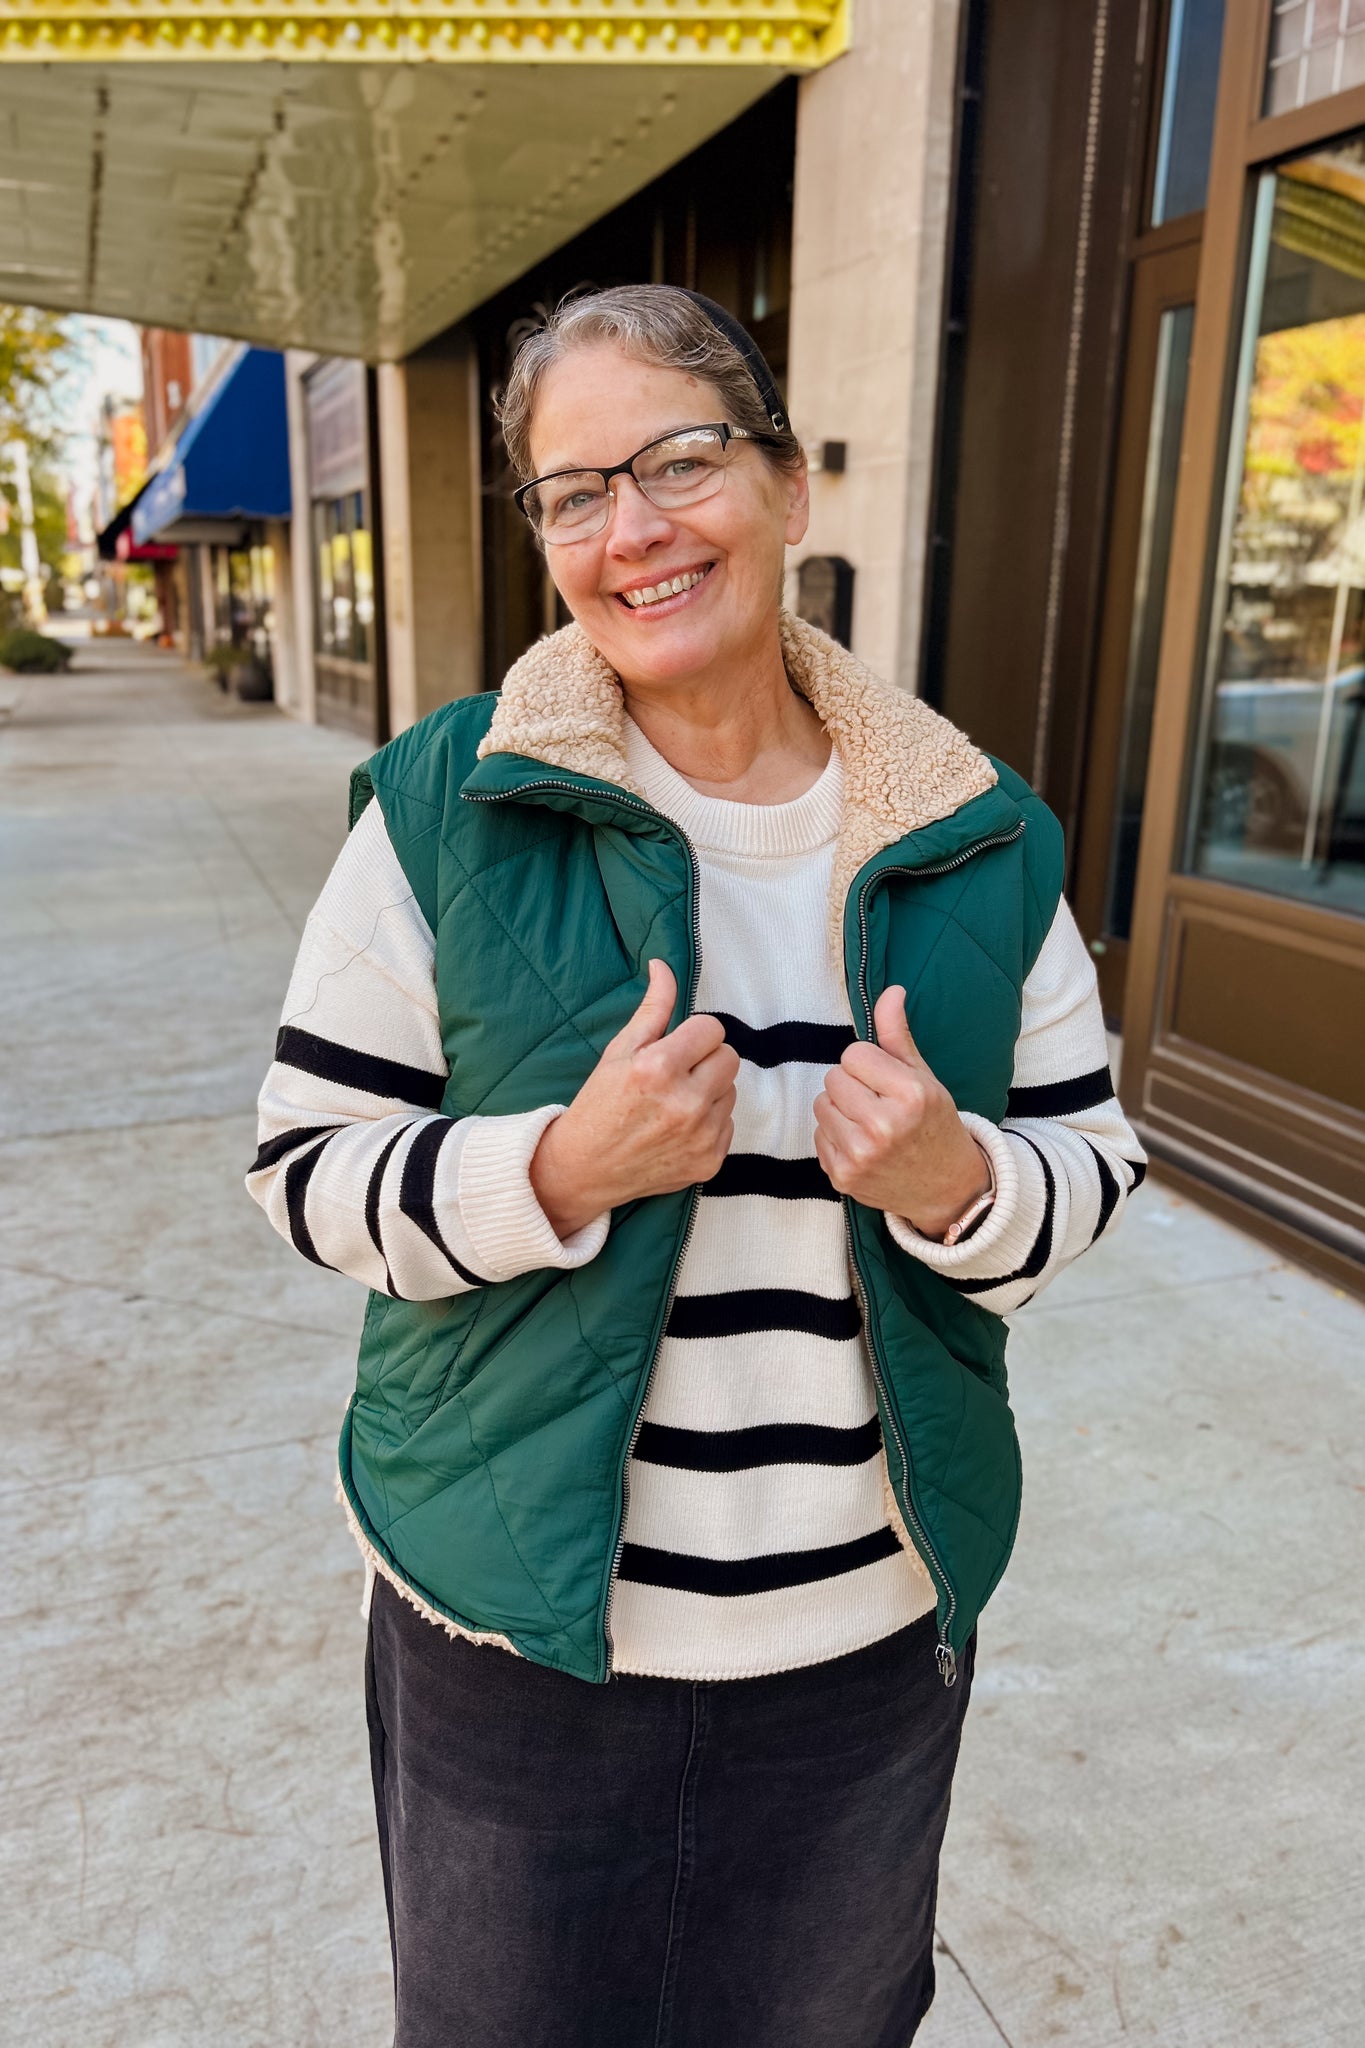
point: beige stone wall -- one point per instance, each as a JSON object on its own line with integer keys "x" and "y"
{"x": 429, "y": 476}
{"x": 873, "y": 178}
{"x": 284, "y": 641}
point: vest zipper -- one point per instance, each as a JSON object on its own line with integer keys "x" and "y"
{"x": 637, "y": 804}
{"x": 944, "y": 1654}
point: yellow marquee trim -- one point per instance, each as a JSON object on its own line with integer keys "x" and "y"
{"x": 789, "y": 34}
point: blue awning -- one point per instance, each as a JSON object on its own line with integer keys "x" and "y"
{"x": 231, "y": 463}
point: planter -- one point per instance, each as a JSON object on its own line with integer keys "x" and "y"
{"x": 251, "y": 680}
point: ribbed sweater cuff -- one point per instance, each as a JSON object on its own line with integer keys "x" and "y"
{"x": 508, "y": 1231}
{"x": 1011, "y": 1226}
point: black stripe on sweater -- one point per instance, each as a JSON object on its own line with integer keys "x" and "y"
{"x": 746, "y": 1309}
{"x": 296, "y": 1179}
{"x": 274, "y": 1149}
{"x": 787, "y": 1180}
{"x": 1063, "y": 1098}
{"x": 787, "y": 1044}
{"x": 730, "y": 1578}
{"x": 1109, "y": 1192}
{"x": 417, "y": 1192}
{"x": 372, "y": 1195}
{"x": 1039, "y": 1251}
{"x": 774, "y": 1443}
{"x": 361, "y": 1070}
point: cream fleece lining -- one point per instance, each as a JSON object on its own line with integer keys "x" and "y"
{"x": 904, "y": 765}
{"x": 375, "y": 1566}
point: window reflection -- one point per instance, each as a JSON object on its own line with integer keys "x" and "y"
{"x": 1281, "y": 801}
{"x": 244, "y": 598}
{"x": 1317, "y": 48}
{"x": 344, "y": 577}
{"x": 1194, "y": 39}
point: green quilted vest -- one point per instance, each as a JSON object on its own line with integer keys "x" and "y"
{"x": 484, "y": 1452}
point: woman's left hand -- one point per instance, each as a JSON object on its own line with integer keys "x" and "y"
{"x": 888, "y": 1134}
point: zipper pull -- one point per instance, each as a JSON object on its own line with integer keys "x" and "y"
{"x": 947, "y": 1664}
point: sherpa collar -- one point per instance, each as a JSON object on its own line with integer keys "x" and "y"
{"x": 904, "y": 765}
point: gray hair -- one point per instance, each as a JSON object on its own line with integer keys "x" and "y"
{"x": 654, "y": 323}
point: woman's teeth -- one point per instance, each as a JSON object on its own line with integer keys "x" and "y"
{"x": 655, "y": 593}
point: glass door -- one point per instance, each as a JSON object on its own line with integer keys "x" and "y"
{"x": 1279, "y": 785}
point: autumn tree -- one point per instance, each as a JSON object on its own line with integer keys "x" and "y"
{"x": 35, "y": 350}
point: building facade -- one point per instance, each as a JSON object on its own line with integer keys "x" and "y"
{"x": 1154, "y": 354}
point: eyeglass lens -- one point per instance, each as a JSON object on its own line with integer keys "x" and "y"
{"x": 682, "y": 470}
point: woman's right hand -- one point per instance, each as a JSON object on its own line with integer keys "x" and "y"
{"x": 655, "y": 1115}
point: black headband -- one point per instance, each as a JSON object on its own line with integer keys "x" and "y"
{"x": 726, "y": 324}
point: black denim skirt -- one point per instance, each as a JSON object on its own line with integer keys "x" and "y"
{"x": 653, "y": 1863}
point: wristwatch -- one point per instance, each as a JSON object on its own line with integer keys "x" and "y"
{"x": 972, "y": 1215}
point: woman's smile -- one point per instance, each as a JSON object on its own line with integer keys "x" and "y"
{"x": 664, "y": 595}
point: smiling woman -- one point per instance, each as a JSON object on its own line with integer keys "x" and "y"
{"x": 693, "y": 1054}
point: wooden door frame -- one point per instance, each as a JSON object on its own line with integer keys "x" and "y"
{"x": 1245, "y": 142}
{"x": 1165, "y": 277}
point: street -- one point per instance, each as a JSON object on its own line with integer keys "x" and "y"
{"x": 1155, "y": 1832}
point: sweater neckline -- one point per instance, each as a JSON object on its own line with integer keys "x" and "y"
{"x": 803, "y": 825}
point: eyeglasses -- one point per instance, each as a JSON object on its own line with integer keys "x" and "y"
{"x": 679, "y": 469}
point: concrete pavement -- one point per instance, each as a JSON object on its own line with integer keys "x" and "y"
{"x": 1155, "y": 1831}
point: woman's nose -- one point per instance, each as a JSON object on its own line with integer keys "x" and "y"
{"x": 634, "y": 523}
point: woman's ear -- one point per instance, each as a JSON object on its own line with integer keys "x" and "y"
{"x": 797, "y": 482}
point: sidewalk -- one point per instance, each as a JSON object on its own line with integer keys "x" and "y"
{"x": 1155, "y": 1834}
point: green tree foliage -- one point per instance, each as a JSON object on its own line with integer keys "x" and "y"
{"x": 35, "y": 350}
{"x": 49, "y": 519}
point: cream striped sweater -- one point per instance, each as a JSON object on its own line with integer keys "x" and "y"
{"x": 756, "y": 1535}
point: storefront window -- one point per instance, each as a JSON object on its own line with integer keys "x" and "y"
{"x": 344, "y": 561}
{"x": 244, "y": 597}
{"x": 1280, "y": 799}
{"x": 1317, "y": 47}
{"x": 1194, "y": 38}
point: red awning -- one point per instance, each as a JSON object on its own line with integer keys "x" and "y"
{"x": 126, "y": 549}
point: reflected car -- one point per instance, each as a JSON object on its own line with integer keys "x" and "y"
{"x": 1258, "y": 787}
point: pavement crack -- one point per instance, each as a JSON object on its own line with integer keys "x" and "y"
{"x": 1094, "y": 1302}
{"x": 204, "y": 1308}
{"x": 150, "y": 1123}
{"x": 213, "y": 1456}
{"x": 966, "y": 1977}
